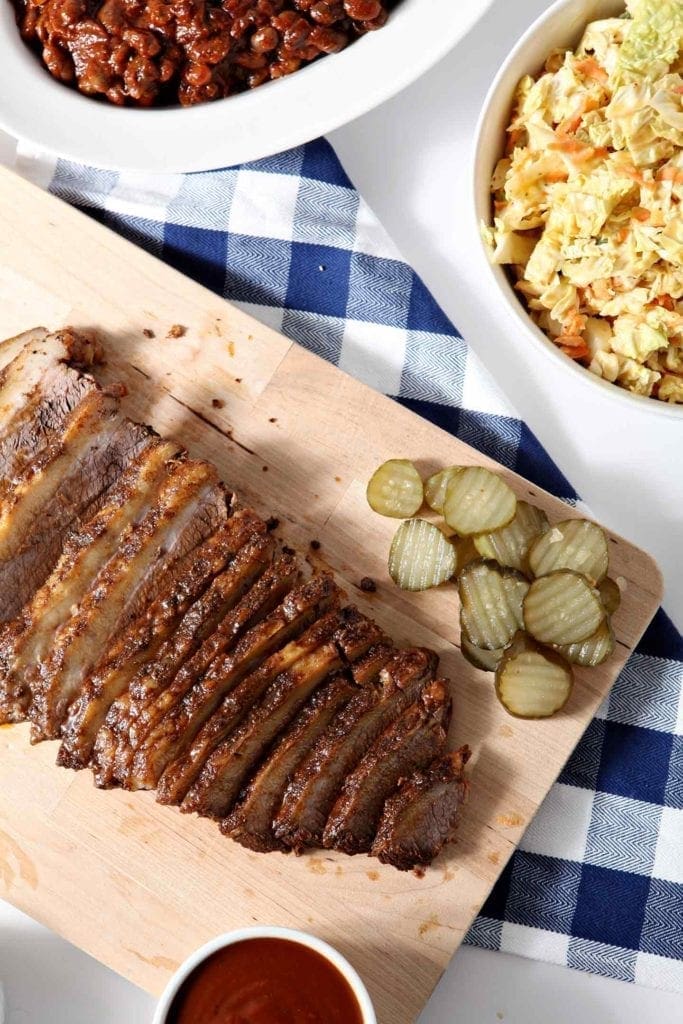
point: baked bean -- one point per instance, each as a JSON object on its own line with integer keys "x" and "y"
{"x": 378, "y": 22}
{"x": 258, "y": 78}
{"x": 146, "y": 43}
{"x": 209, "y": 51}
{"x": 154, "y": 52}
{"x": 362, "y": 10}
{"x": 327, "y": 40}
{"x": 284, "y": 66}
{"x": 264, "y": 40}
{"x": 296, "y": 36}
{"x": 197, "y": 74}
{"x": 58, "y": 63}
{"x": 116, "y": 95}
{"x": 327, "y": 14}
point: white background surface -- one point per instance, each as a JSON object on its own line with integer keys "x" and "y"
{"x": 410, "y": 160}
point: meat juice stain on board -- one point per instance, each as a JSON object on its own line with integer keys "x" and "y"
{"x": 259, "y": 981}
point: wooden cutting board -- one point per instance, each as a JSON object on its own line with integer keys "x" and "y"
{"x": 139, "y": 886}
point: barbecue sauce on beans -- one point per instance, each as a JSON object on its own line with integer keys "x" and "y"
{"x": 159, "y": 52}
{"x": 265, "y": 981}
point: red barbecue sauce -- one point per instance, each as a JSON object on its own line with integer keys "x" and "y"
{"x": 265, "y": 981}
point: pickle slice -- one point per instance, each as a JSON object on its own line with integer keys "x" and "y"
{"x": 420, "y": 556}
{"x": 533, "y": 682}
{"x": 610, "y": 594}
{"x": 395, "y": 489}
{"x": 510, "y": 544}
{"x": 491, "y": 600}
{"x": 574, "y": 544}
{"x": 478, "y": 501}
{"x": 437, "y": 485}
{"x": 593, "y": 651}
{"x": 562, "y": 608}
{"x": 487, "y": 661}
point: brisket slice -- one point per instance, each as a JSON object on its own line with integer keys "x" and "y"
{"x": 141, "y": 642}
{"x": 189, "y": 702}
{"x": 422, "y": 816}
{"x": 251, "y": 822}
{"x": 29, "y": 358}
{"x": 412, "y": 741}
{"x": 238, "y": 756}
{"x": 25, "y": 640}
{"x": 315, "y": 786}
{"x": 42, "y": 417}
{"x": 191, "y": 504}
{"x": 65, "y": 484}
{"x": 240, "y": 678}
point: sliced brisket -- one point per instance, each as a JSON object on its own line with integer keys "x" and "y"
{"x": 251, "y": 822}
{"x": 66, "y": 483}
{"x": 192, "y": 698}
{"x": 26, "y": 639}
{"x": 164, "y": 730}
{"x": 42, "y": 418}
{"x": 316, "y": 784}
{"x": 150, "y": 623}
{"x": 140, "y": 644}
{"x": 145, "y": 676}
{"x": 153, "y": 692}
{"x": 409, "y": 743}
{"x": 190, "y": 506}
{"x": 29, "y": 358}
{"x": 237, "y": 757}
{"x": 422, "y": 816}
{"x": 240, "y": 678}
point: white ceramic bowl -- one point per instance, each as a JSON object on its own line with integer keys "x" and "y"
{"x": 313, "y": 101}
{"x": 244, "y": 934}
{"x": 562, "y": 25}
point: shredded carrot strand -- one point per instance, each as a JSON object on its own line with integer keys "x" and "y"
{"x": 578, "y": 352}
{"x": 636, "y": 175}
{"x": 554, "y": 176}
{"x": 571, "y": 340}
{"x": 671, "y": 174}
{"x": 514, "y": 135}
{"x": 569, "y": 125}
{"x": 578, "y": 149}
{"x": 591, "y": 69}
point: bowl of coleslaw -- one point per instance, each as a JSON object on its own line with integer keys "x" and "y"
{"x": 578, "y": 193}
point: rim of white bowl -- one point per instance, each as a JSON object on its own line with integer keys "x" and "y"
{"x": 231, "y": 938}
{"x": 627, "y": 399}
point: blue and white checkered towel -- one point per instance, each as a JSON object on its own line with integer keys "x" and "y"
{"x": 597, "y": 882}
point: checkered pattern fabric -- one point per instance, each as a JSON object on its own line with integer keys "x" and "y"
{"x": 597, "y": 882}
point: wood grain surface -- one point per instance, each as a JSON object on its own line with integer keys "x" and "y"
{"x": 139, "y": 886}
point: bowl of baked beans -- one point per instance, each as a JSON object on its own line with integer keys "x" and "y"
{"x": 184, "y": 85}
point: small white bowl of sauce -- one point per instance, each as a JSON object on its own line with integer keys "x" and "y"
{"x": 259, "y": 975}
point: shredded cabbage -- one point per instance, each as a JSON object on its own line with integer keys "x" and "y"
{"x": 588, "y": 199}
